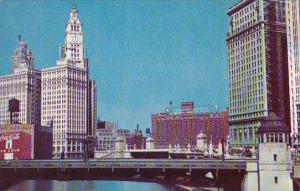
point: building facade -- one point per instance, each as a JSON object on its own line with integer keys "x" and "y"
{"x": 106, "y": 135}
{"x": 257, "y": 66}
{"x": 44, "y": 142}
{"x": 24, "y": 141}
{"x": 17, "y": 141}
{"x": 181, "y": 128}
{"x": 92, "y": 118}
{"x": 108, "y": 132}
{"x": 24, "y": 84}
{"x": 92, "y": 108}
{"x": 65, "y": 94}
{"x": 293, "y": 42}
{"x": 135, "y": 140}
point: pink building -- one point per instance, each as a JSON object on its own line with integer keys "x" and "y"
{"x": 182, "y": 128}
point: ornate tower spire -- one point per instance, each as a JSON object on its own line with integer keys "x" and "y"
{"x": 72, "y": 52}
{"x": 22, "y": 58}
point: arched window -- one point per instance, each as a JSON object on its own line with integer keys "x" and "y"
{"x": 8, "y": 144}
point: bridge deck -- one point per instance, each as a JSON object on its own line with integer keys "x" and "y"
{"x": 127, "y": 163}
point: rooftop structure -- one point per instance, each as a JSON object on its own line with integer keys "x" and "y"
{"x": 23, "y": 84}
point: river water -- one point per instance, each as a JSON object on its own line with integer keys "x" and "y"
{"x": 53, "y": 185}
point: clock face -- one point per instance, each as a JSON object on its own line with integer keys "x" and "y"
{"x": 74, "y": 38}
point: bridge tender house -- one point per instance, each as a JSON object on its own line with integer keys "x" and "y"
{"x": 16, "y": 141}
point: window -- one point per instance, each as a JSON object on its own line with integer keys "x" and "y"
{"x": 280, "y": 138}
{"x": 275, "y": 157}
{"x": 276, "y": 179}
{"x": 272, "y": 138}
{"x": 276, "y": 138}
{"x": 250, "y": 134}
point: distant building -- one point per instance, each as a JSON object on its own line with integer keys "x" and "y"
{"x": 128, "y": 137}
{"x": 106, "y": 134}
{"x": 136, "y": 140}
{"x": 24, "y": 84}
{"x": 124, "y": 132}
{"x": 258, "y": 69}
{"x": 170, "y": 128}
{"x": 44, "y": 142}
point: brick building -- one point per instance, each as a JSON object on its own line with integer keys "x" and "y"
{"x": 182, "y": 127}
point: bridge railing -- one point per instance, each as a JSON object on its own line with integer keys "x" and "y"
{"x": 127, "y": 163}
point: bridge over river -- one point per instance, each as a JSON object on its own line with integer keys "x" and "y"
{"x": 223, "y": 172}
{"x": 229, "y": 173}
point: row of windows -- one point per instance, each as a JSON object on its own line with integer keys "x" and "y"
{"x": 245, "y": 10}
{"x": 244, "y": 115}
{"x": 246, "y": 134}
{"x": 70, "y": 149}
{"x": 13, "y": 80}
{"x": 52, "y": 83}
{"x": 249, "y": 108}
{"x": 75, "y": 28}
{"x": 54, "y": 76}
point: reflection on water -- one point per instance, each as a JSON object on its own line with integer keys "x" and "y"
{"x": 53, "y": 185}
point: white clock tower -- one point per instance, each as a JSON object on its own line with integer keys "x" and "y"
{"x": 68, "y": 95}
{"x": 72, "y": 51}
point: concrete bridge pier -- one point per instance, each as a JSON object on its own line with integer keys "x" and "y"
{"x": 251, "y": 179}
{"x": 273, "y": 170}
{"x": 8, "y": 179}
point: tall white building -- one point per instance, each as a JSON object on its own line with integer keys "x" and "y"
{"x": 65, "y": 94}
{"x": 293, "y": 41}
{"x": 258, "y": 67}
{"x": 24, "y": 84}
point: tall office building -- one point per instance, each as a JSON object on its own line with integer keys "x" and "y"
{"x": 258, "y": 67}
{"x": 24, "y": 84}
{"x": 293, "y": 38}
{"x": 65, "y": 94}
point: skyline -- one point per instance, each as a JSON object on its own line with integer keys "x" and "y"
{"x": 162, "y": 44}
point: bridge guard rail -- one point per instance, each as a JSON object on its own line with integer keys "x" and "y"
{"x": 126, "y": 163}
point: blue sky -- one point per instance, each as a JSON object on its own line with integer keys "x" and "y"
{"x": 142, "y": 54}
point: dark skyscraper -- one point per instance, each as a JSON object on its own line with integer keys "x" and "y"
{"x": 258, "y": 67}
